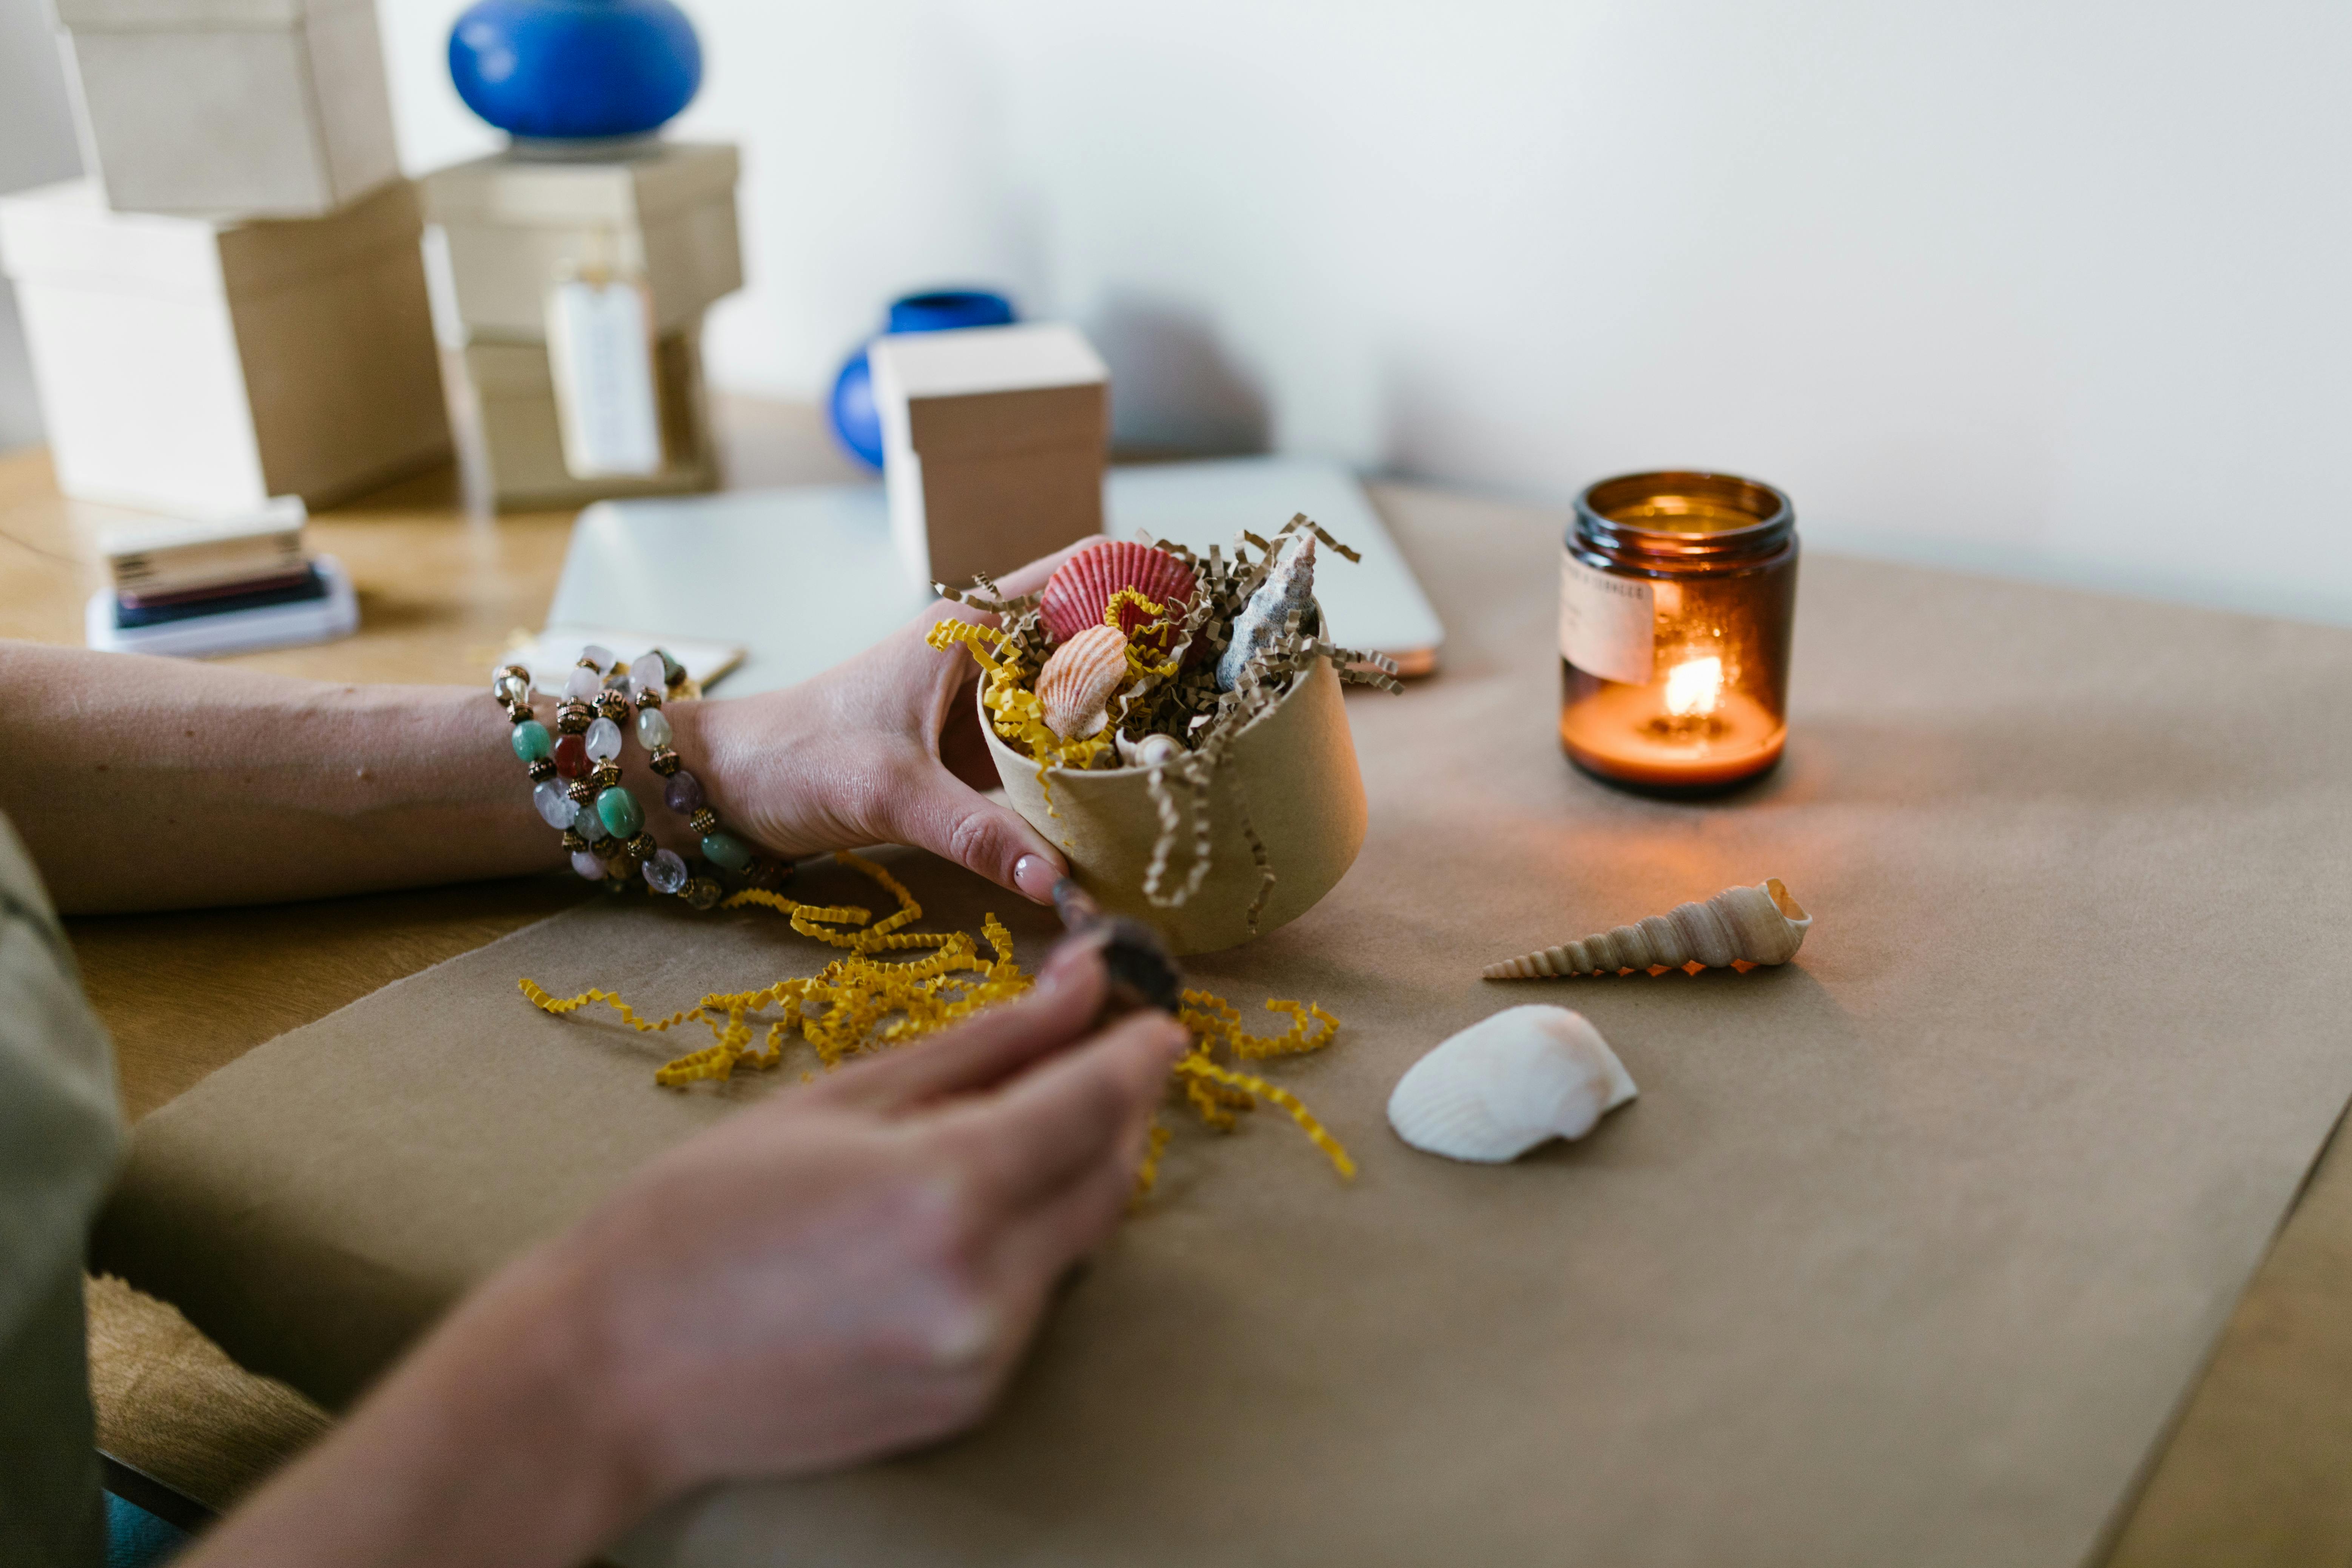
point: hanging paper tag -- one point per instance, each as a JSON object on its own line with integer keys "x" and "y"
{"x": 1607, "y": 625}
{"x": 600, "y": 352}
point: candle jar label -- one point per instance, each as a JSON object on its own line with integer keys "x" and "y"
{"x": 1606, "y": 623}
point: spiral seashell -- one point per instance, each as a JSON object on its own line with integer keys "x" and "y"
{"x": 1502, "y": 1086}
{"x": 1290, "y": 586}
{"x": 1082, "y": 588}
{"x": 1075, "y": 688}
{"x": 1739, "y": 926}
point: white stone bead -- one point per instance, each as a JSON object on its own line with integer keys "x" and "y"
{"x": 583, "y": 682}
{"x": 649, "y": 673}
{"x": 604, "y": 739}
{"x": 515, "y": 688}
{"x": 653, "y": 729}
{"x": 554, "y": 803}
{"x": 587, "y": 865}
{"x": 598, "y": 655}
{"x": 666, "y": 872}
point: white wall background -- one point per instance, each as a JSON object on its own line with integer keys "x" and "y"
{"x": 2055, "y": 290}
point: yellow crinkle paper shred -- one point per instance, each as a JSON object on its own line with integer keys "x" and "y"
{"x": 860, "y": 1003}
{"x": 1014, "y": 709}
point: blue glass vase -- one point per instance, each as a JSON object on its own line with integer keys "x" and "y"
{"x": 856, "y": 424}
{"x": 575, "y": 71}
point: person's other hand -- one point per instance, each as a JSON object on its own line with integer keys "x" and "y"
{"x": 847, "y": 1269}
{"x": 856, "y": 1266}
{"x": 883, "y": 748}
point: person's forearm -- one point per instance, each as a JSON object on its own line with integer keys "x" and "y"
{"x": 486, "y": 1448}
{"x": 159, "y": 783}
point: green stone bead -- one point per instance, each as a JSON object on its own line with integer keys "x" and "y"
{"x": 619, "y": 811}
{"x": 531, "y": 741}
{"x": 726, "y": 849}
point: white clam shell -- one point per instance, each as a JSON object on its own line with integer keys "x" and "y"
{"x": 1502, "y": 1086}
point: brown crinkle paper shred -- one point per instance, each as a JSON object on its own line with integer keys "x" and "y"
{"x": 1187, "y": 704}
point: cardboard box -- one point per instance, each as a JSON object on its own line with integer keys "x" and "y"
{"x": 992, "y": 442}
{"x": 204, "y": 365}
{"x": 511, "y": 445}
{"x": 516, "y": 224}
{"x": 265, "y": 107}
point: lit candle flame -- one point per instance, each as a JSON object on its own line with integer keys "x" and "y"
{"x": 1693, "y": 687}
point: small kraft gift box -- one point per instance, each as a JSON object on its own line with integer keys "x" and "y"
{"x": 572, "y": 292}
{"x": 204, "y": 364}
{"x": 992, "y": 442}
{"x": 264, "y": 108}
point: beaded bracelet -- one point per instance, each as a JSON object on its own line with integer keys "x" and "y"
{"x": 576, "y": 776}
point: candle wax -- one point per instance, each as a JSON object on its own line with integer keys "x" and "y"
{"x": 1626, "y": 732}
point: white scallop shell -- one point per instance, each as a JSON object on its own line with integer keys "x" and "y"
{"x": 1502, "y": 1086}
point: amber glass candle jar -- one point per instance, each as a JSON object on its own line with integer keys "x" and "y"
{"x": 1677, "y": 593}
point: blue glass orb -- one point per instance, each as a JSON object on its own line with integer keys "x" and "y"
{"x": 575, "y": 70}
{"x": 857, "y": 423}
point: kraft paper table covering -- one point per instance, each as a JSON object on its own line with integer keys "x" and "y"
{"x": 1906, "y": 1252}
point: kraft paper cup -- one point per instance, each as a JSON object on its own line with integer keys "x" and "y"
{"x": 1297, "y": 763}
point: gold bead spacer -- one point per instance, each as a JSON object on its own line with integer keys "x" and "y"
{"x": 605, "y": 775}
{"x": 572, "y": 841}
{"x": 666, "y": 761}
{"x": 573, "y": 717}
{"x": 704, "y": 822}
{"x": 542, "y": 770}
{"x": 648, "y": 698}
{"x": 613, "y": 705}
{"x": 703, "y": 894}
{"x": 581, "y": 790}
{"x": 643, "y": 847}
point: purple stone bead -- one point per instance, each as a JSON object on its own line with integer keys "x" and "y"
{"x": 587, "y": 865}
{"x": 684, "y": 795}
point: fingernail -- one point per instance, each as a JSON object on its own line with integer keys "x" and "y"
{"x": 1034, "y": 876}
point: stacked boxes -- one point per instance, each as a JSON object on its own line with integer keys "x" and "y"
{"x": 234, "y": 307}
{"x": 661, "y": 221}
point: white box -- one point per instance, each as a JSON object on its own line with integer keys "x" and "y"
{"x": 199, "y": 365}
{"x": 992, "y": 443}
{"x": 516, "y": 224}
{"x": 510, "y": 440}
{"x": 264, "y": 108}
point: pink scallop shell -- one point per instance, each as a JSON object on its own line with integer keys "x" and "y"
{"x": 1083, "y": 587}
{"x": 1080, "y": 676}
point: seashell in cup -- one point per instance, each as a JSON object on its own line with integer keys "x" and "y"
{"x": 1507, "y": 1083}
{"x": 1741, "y": 926}
{"x": 1075, "y": 688}
{"x": 1288, "y": 590}
{"x": 1081, "y": 590}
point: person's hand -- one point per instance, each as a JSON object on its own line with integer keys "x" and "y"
{"x": 884, "y": 748}
{"x": 850, "y": 1269}
{"x": 856, "y": 1266}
